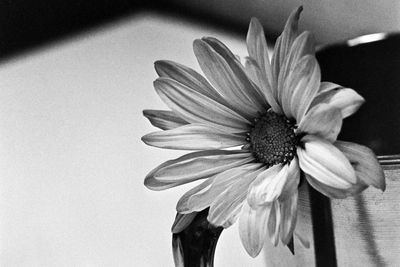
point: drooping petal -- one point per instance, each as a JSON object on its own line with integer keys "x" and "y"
{"x": 274, "y": 221}
{"x": 199, "y": 200}
{"x": 365, "y": 163}
{"x": 345, "y": 99}
{"x": 182, "y": 221}
{"x": 230, "y": 82}
{"x": 327, "y": 164}
{"x": 302, "y": 46}
{"x": 292, "y": 181}
{"x": 228, "y": 204}
{"x": 194, "y": 166}
{"x": 302, "y": 85}
{"x": 333, "y": 192}
{"x": 272, "y": 183}
{"x": 182, "y": 207}
{"x": 164, "y": 119}
{"x": 284, "y": 42}
{"x": 322, "y": 120}
{"x": 261, "y": 190}
{"x": 194, "y": 107}
{"x": 193, "y": 137}
{"x": 288, "y": 217}
{"x": 253, "y": 227}
{"x": 186, "y": 76}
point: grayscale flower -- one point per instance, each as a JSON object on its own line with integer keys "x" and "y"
{"x": 256, "y": 129}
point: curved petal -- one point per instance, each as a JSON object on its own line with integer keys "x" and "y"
{"x": 253, "y": 227}
{"x": 288, "y": 218}
{"x": 194, "y": 166}
{"x": 322, "y": 120}
{"x": 274, "y": 222}
{"x": 163, "y": 119}
{"x": 345, "y": 99}
{"x": 292, "y": 182}
{"x": 202, "y": 199}
{"x": 228, "y": 79}
{"x": 326, "y": 163}
{"x": 302, "y": 84}
{"x": 333, "y": 192}
{"x": 228, "y": 204}
{"x": 194, "y": 107}
{"x": 365, "y": 163}
{"x": 193, "y": 137}
{"x": 284, "y": 42}
{"x": 182, "y": 221}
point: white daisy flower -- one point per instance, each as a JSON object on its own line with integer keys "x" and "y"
{"x": 285, "y": 120}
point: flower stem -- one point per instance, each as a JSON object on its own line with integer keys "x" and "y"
{"x": 195, "y": 245}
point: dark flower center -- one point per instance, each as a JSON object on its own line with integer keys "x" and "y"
{"x": 272, "y": 139}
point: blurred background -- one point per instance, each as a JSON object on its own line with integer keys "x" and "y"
{"x": 74, "y": 79}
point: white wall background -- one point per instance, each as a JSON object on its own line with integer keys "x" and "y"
{"x": 71, "y": 161}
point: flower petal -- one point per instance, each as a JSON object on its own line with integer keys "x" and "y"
{"x": 194, "y": 107}
{"x": 288, "y": 217}
{"x": 193, "y": 137}
{"x": 253, "y": 227}
{"x": 303, "y": 45}
{"x": 258, "y": 51}
{"x": 365, "y": 163}
{"x": 302, "y": 85}
{"x": 199, "y": 200}
{"x": 322, "y": 120}
{"x": 186, "y": 76}
{"x": 163, "y": 119}
{"x": 228, "y": 79}
{"x": 182, "y": 221}
{"x": 225, "y": 208}
{"x": 194, "y": 166}
{"x": 259, "y": 78}
{"x": 274, "y": 221}
{"x": 345, "y": 99}
{"x": 272, "y": 183}
{"x": 284, "y": 42}
{"x": 333, "y": 192}
{"x": 326, "y": 163}
{"x": 264, "y": 187}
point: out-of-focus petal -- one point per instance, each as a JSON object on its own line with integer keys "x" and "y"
{"x": 327, "y": 164}
{"x": 274, "y": 221}
{"x": 193, "y": 137}
{"x": 333, "y": 192}
{"x": 227, "y": 205}
{"x": 186, "y": 76}
{"x": 365, "y": 163}
{"x": 195, "y": 107}
{"x": 164, "y": 119}
{"x": 284, "y": 42}
{"x": 345, "y": 99}
{"x": 322, "y": 120}
{"x": 182, "y": 221}
{"x": 194, "y": 166}
{"x": 292, "y": 181}
{"x": 228, "y": 78}
{"x": 199, "y": 200}
{"x": 253, "y": 227}
{"x": 288, "y": 217}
